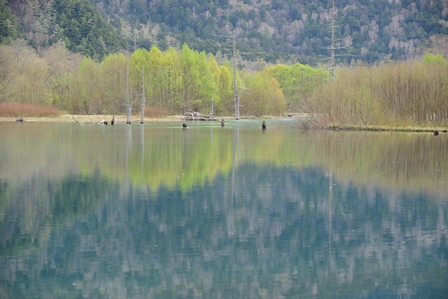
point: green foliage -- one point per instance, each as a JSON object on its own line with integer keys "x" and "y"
{"x": 91, "y": 88}
{"x": 87, "y": 32}
{"x": 185, "y": 80}
{"x": 8, "y": 27}
{"x": 297, "y": 81}
{"x": 167, "y": 80}
{"x": 264, "y": 96}
{"x": 23, "y": 80}
{"x": 197, "y": 86}
{"x": 224, "y": 79}
{"x": 436, "y": 59}
{"x": 112, "y": 72}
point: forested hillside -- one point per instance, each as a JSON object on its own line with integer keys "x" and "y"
{"x": 365, "y": 30}
{"x": 43, "y": 23}
{"x": 279, "y": 30}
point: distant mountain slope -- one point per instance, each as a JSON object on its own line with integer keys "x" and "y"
{"x": 280, "y": 29}
{"x": 366, "y": 30}
{"x": 76, "y": 22}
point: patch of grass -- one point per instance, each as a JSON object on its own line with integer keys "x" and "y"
{"x": 386, "y": 128}
{"x": 27, "y": 110}
{"x": 156, "y": 112}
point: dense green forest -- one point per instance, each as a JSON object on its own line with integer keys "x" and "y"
{"x": 280, "y": 30}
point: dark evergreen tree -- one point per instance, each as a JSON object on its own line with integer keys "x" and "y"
{"x": 85, "y": 29}
{"x": 8, "y": 26}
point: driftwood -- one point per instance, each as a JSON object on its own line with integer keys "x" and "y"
{"x": 76, "y": 120}
{"x": 193, "y": 116}
{"x": 103, "y": 122}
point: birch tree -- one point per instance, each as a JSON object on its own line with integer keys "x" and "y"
{"x": 139, "y": 61}
{"x": 113, "y": 73}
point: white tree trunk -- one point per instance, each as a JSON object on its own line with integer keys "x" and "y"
{"x": 128, "y": 100}
{"x": 142, "y": 115}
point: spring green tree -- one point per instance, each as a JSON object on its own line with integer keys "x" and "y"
{"x": 263, "y": 96}
{"x": 297, "y": 82}
{"x": 113, "y": 83}
{"x": 197, "y": 85}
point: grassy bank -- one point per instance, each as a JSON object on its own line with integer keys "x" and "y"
{"x": 389, "y": 129}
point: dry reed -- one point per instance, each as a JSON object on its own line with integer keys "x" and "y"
{"x": 401, "y": 94}
{"x": 8, "y": 109}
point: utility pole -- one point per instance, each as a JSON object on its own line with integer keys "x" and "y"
{"x": 333, "y": 12}
{"x": 236, "y": 93}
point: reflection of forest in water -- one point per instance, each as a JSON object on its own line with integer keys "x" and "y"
{"x": 168, "y": 156}
{"x": 276, "y": 230}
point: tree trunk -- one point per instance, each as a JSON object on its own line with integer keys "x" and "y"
{"x": 142, "y": 115}
{"x": 128, "y": 100}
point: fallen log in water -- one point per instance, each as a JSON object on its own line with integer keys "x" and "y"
{"x": 196, "y": 116}
{"x": 103, "y": 122}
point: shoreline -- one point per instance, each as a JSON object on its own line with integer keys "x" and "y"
{"x": 389, "y": 129}
{"x": 100, "y": 119}
{"x": 91, "y": 119}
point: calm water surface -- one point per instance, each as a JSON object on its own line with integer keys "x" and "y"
{"x": 156, "y": 211}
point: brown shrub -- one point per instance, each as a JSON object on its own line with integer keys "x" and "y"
{"x": 26, "y": 110}
{"x": 156, "y": 112}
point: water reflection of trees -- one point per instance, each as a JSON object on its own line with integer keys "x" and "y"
{"x": 171, "y": 157}
{"x": 34, "y": 210}
{"x": 171, "y": 228}
{"x": 180, "y": 244}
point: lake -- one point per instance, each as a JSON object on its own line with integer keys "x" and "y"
{"x": 158, "y": 211}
